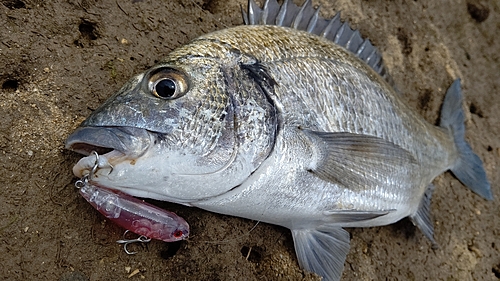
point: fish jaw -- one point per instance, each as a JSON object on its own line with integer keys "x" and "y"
{"x": 124, "y": 161}
{"x": 113, "y": 144}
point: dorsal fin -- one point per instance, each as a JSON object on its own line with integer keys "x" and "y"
{"x": 307, "y": 18}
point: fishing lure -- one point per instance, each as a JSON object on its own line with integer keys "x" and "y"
{"x": 133, "y": 214}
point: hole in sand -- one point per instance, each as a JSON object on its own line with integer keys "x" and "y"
{"x": 14, "y": 4}
{"x": 171, "y": 250}
{"x": 496, "y": 270}
{"x": 253, "y": 253}
{"x": 10, "y": 85}
{"x": 478, "y": 11}
{"x": 88, "y": 30}
{"x": 475, "y": 110}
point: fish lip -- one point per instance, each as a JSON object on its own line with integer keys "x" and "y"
{"x": 130, "y": 141}
{"x": 112, "y": 144}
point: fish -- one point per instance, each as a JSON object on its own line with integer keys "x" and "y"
{"x": 290, "y": 119}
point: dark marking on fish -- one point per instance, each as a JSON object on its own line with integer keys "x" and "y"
{"x": 266, "y": 82}
{"x": 260, "y": 74}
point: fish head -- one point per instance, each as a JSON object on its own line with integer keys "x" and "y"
{"x": 192, "y": 127}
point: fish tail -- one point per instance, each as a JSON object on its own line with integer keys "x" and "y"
{"x": 468, "y": 167}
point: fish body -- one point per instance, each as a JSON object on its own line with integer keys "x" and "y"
{"x": 299, "y": 128}
{"x": 362, "y": 103}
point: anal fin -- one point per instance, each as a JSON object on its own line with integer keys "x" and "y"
{"x": 322, "y": 250}
{"x": 422, "y": 217}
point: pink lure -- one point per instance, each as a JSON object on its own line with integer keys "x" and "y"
{"x": 136, "y": 215}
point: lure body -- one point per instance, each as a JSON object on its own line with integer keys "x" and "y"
{"x": 136, "y": 215}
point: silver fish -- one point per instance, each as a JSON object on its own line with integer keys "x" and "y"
{"x": 290, "y": 119}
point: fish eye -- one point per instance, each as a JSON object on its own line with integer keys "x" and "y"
{"x": 165, "y": 88}
{"x": 168, "y": 84}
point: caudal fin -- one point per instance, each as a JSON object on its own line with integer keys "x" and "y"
{"x": 469, "y": 167}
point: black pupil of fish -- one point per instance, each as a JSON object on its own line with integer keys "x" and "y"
{"x": 165, "y": 88}
{"x": 177, "y": 233}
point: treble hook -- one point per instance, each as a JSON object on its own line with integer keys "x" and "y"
{"x": 96, "y": 165}
{"x": 85, "y": 179}
{"x": 125, "y": 242}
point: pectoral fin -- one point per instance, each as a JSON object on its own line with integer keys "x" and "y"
{"x": 359, "y": 161}
{"x": 322, "y": 250}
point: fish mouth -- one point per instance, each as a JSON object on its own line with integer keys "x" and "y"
{"x": 112, "y": 144}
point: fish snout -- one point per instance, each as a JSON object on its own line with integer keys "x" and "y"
{"x": 112, "y": 144}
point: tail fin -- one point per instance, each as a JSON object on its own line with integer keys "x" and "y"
{"x": 469, "y": 167}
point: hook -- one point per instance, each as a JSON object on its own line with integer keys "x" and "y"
{"x": 85, "y": 179}
{"x": 125, "y": 242}
{"x": 96, "y": 165}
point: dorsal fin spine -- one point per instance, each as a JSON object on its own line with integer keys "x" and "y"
{"x": 252, "y": 8}
{"x": 370, "y": 57}
{"x": 349, "y": 41}
{"x": 307, "y": 18}
{"x": 313, "y": 21}
{"x": 265, "y": 12}
{"x": 281, "y": 14}
{"x": 305, "y": 12}
{"x": 245, "y": 16}
{"x": 329, "y": 27}
{"x": 336, "y": 24}
{"x": 376, "y": 62}
{"x": 339, "y": 33}
{"x": 361, "y": 48}
{"x": 298, "y": 17}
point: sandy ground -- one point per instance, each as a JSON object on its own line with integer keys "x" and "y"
{"x": 60, "y": 59}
